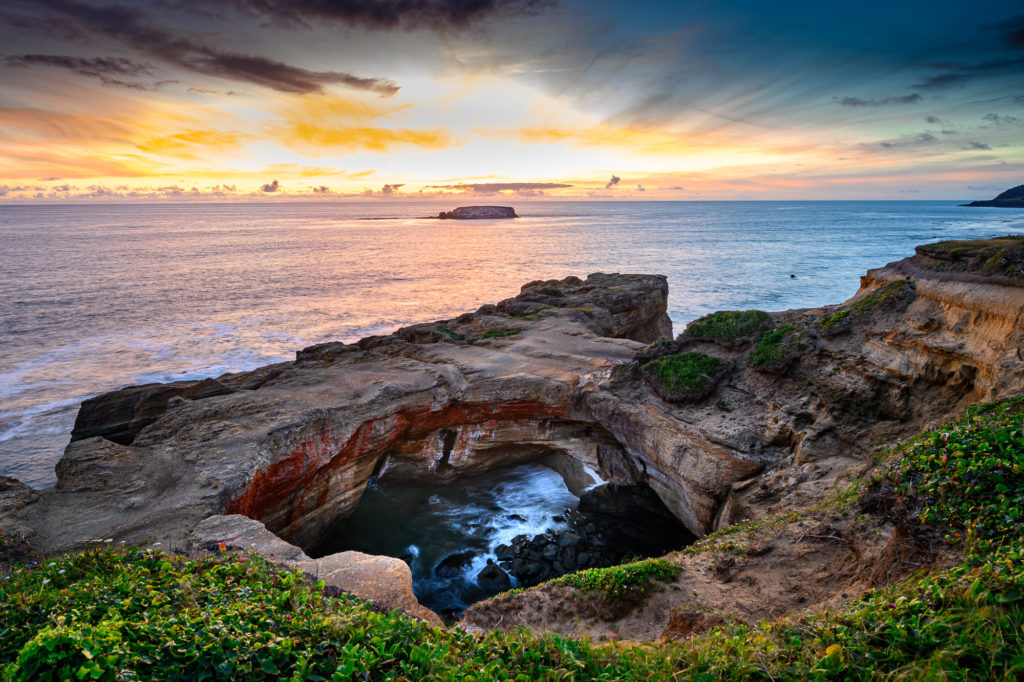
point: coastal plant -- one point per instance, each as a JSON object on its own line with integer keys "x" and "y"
{"x": 450, "y": 333}
{"x": 683, "y": 372}
{"x": 776, "y": 348}
{"x": 729, "y": 325}
{"x": 630, "y": 582}
{"x": 1002, "y": 256}
{"x": 499, "y": 333}
{"x": 884, "y": 295}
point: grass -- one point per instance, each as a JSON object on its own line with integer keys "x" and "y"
{"x": 729, "y": 325}
{"x": 122, "y": 614}
{"x": 499, "y": 333}
{"x": 999, "y": 256}
{"x": 451, "y": 334}
{"x": 630, "y": 582}
{"x": 684, "y": 372}
{"x": 775, "y": 347}
{"x": 888, "y": 293}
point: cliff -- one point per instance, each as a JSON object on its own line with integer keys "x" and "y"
{"x": 1011, "y": 198}
{"x": 478, "y": 213}
{"x": 796, "y": 400}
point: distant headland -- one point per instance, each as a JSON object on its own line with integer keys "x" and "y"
{"x": 478, "y": 213}
{"x": 1011, "y": 198}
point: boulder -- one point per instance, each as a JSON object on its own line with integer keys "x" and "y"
{"x": 492, "y": 578}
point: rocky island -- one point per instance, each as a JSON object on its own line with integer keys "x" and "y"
{"x": 1011, "y": 198}
{"x": 763, "y": 433}
{"x": 478, "y": 213}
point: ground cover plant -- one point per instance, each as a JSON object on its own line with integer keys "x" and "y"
{"x": 684, "y": 372}
{"x": 775, "y": 348}
{"x": 729, "y": 325}
{"x": 888, "y": 293}
{"x": 142, "y": 614}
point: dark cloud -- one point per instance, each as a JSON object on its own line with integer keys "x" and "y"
{"x": 1002, "y": 120}
{"x": 918, "y": 140}
{"x": 129, "y": 26}
{"x": 109, "y": 70}
{"x": 495, "y": 187}
{"x": 860, "y": 102}
{"x": 391, "y": 189}
{"x": 678, "y": 187}
{"x": 270, "y": 187}
{"x": 1015, "y": 32}
{"x": 386, "y": 14}
{"x": 322, "y": 189}
{"x": 614, "y": 181}
{"x": 640, "y": 188}
{"x": 973, "y": 144}
{"x": 943, "y": 81}
{"x": 934, "y": 120}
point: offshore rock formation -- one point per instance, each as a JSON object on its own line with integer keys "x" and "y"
{"x": 1011, "y": 198}
{"x": 557, "y": 369}
{"x": 478, "y": 213}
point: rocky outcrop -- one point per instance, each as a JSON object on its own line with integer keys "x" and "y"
{"x": 383, "y": 580}
{"x": 557, "y": 369}
{"x": 478, "y": 213}
{"x": 1011, "y": 198}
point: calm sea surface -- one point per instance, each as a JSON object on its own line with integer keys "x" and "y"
{"x": 93, "y": 298}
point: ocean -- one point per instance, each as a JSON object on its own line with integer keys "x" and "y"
{"x": 97, "y": 297}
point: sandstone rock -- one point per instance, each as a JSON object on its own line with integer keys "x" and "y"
{"x": 239, "y": 532}
{"x": 380, "y": 579}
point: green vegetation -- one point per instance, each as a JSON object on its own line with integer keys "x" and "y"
{"x": 535, "y": 315}
{"x": 1000, "y": 256}
{"x": 451, "y": 334}
{"x": 127, "y": 614}
{"x": 630, "y": 582}
{"x": 888, "y": 293}
{"x": 729, "y": 325}
{"x": 684, "y": 371}
{"x": 122, "y": 614}
{"x": 775, "y": 347}
{"x": 498, "y": 333}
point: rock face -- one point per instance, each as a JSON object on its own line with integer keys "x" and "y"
{"x": 478, "y": 213}
{"x": 553, "y": 370}
{"x": 1011, "y": 198}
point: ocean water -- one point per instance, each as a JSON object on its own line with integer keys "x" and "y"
{"x": 425, "y": 525}
{"x": 97, "y": 297}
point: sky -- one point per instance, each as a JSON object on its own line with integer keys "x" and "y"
{"x": 276, "y": 100}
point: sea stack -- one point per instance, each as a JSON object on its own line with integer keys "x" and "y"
{"x": 478, "y": 213}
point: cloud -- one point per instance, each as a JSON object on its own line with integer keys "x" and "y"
{"x": 128, "y": 26}
{"x": 109, "y": 70}
{"x": 678, "y": 187}
{"x": 270, "y": 187}
{"x": 389, "y": 14}
{"x": 495, "y": 187}
{"x": 1015, "y": 32}
{"x": 916, "y": 140}
{"x": 322, "y": 189}
{"x": 860, "y": 102}
{"x": 614, "y": 181}
{"x": 973, "y": 144}
{"x": 640, "y": 188}
{"x": 934, "y": 120}
{"x": 943, "y": 81}
{"x": 1002, "y": 120}
{"x": 391, "y": 189}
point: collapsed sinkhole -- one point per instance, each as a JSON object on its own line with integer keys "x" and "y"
{"x": 517, "y": 526}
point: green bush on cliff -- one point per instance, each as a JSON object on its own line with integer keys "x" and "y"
{"x": 888, "y": 293}
{"x": 775, "y": 347}
{"x": 729, "y": 325}
{"x": 683, "y": 371}
{"x": 630, "y": 582}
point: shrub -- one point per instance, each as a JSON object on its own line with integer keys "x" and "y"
{"x": 776, "y": 348}
{"x": 684, "y": 376}
{"x": 729, "y": 325}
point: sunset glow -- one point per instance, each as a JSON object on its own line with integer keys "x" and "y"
{"x": 220, "y": 100}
